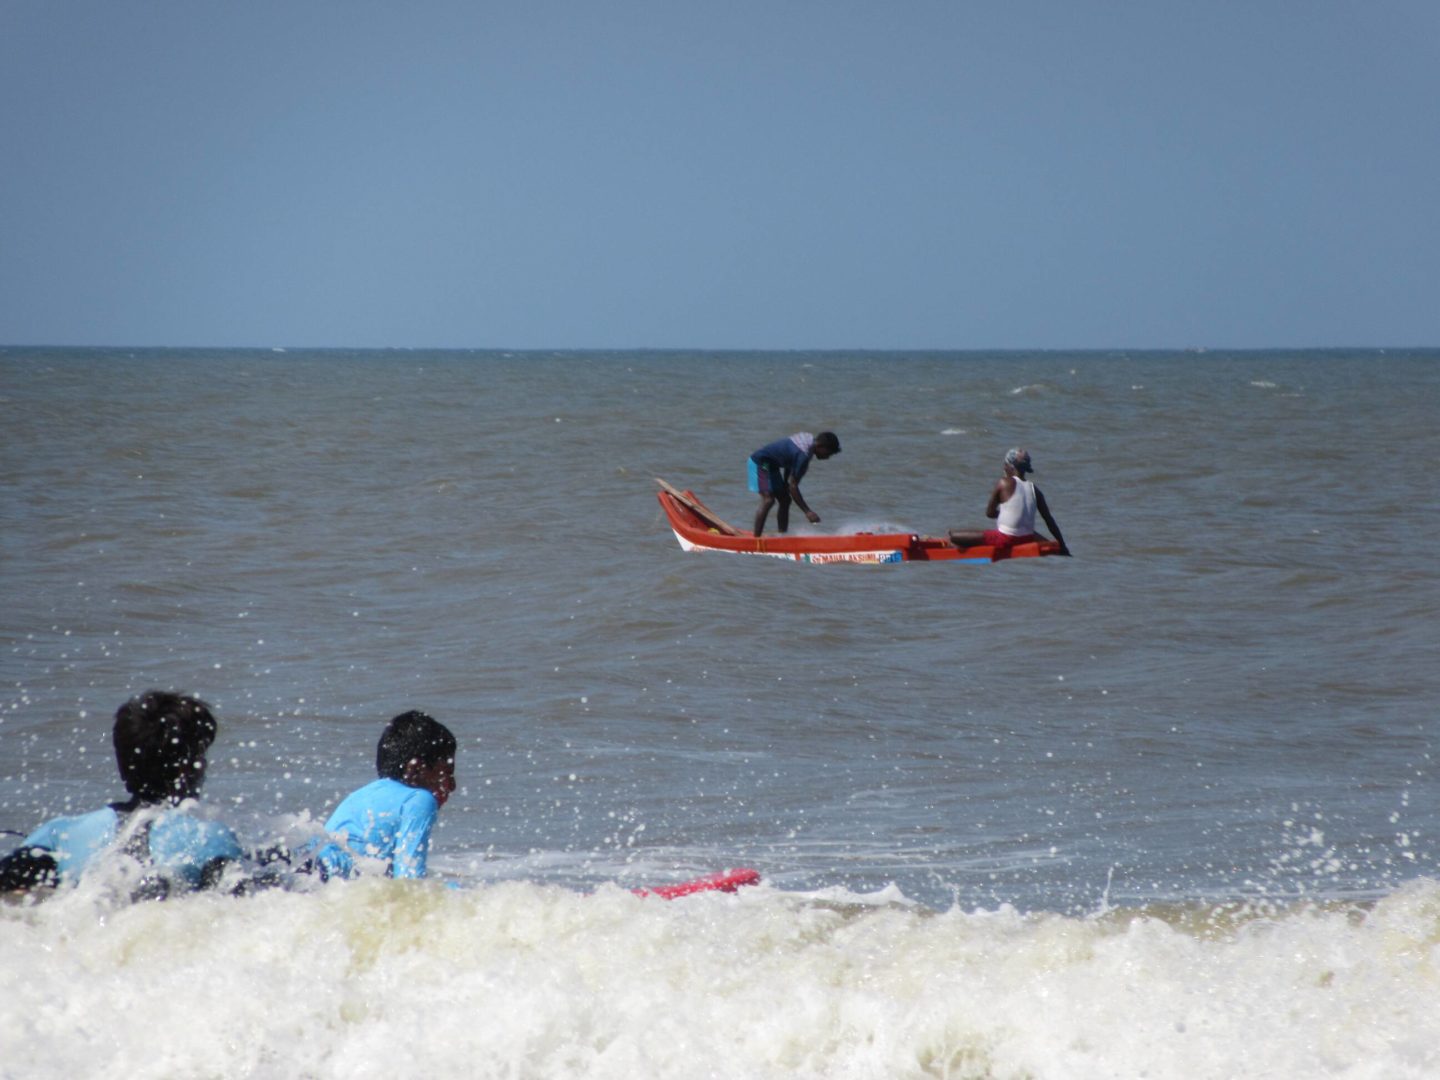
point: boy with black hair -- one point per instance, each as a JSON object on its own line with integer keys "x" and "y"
{"x": 160, "y": 742}
{"x": 391, "y": 818}
{"x": 775, "y": 472}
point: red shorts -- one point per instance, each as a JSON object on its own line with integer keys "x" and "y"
{"x": 1004, "y": 541}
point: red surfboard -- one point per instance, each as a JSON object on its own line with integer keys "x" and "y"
{"x": 725, "y": 881}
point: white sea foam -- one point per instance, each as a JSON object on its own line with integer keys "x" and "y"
{"x": 382, "y": 978}
{"x": 871, "y": 525}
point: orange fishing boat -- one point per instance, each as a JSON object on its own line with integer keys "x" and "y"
{"x": 698, "y": 528}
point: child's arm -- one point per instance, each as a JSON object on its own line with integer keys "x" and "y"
{"x": 28, "y": 868}
{"x": 412, "y": 839}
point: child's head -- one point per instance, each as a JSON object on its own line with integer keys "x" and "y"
{"x": 418, "y": 750}
{"x": 826, "y": 445}
{"x": 160, "y": 744}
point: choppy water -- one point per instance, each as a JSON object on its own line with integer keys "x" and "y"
{"x": 1166, "y": 808}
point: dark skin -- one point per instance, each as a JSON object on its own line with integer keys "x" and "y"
{"x": 186, "y": 784}
{"x": 791, "y": 493}
{"x": 437, "y": 777}
{"x": 1004, "y": 489}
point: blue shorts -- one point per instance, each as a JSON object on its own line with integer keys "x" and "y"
{"x": 766, "y": 479}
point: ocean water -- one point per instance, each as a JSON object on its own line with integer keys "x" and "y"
{"x": 1164, "y": 809}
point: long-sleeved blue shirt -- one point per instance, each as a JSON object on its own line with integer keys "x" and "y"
{"x": 178, "y": 843}
{"x": 383, "y": 820}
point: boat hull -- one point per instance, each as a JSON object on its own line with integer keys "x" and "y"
{"x": 697, "y": 529}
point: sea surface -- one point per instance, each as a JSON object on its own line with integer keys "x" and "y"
{"x": 1166, "y": 809}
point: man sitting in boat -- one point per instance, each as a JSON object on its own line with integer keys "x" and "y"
{"x": 1012, "y": 504}
{"x": 775, "y": 472}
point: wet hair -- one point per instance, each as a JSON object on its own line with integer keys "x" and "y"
{"x": 827, "y": 441}
{"x": 412, "y": 736}
{"x": 160, "y": 744}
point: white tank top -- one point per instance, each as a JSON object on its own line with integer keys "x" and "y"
{"x": 1017, "y": 513}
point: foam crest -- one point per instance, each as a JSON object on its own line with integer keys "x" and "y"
{"x": 384, "y": 978}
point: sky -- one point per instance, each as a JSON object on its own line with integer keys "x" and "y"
{"x": 750, "y": 174}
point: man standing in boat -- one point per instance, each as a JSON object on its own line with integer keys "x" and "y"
{"x": 775, "y": 472}
{"x": 1012, "y": 504}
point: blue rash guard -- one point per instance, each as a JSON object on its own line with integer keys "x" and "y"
{"x": 386, "y": 820}
{"x": 180, "y": 845}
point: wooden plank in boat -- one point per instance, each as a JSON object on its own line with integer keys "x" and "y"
{"x": 698, "y": 508}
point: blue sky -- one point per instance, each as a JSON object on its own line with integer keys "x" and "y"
{"x": 748, "y": 174}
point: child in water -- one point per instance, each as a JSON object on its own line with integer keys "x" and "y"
{"x": 160, "y": 744}
{"x": 391, "y": 817}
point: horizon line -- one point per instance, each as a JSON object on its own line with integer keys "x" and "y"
{"x": 809, "y": 349}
